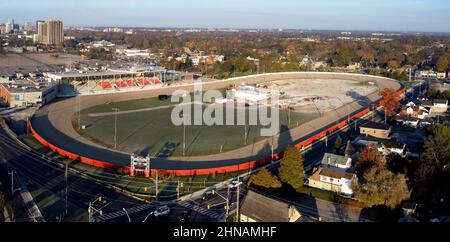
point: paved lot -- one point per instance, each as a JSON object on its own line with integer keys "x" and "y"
{"x": 25, "y": 63}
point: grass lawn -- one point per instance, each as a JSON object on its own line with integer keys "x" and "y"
{"x": 140, "y": 185}
{"x": 154, "y": 133}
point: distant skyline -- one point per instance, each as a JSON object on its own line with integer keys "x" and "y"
{"x": 351, "y": 15}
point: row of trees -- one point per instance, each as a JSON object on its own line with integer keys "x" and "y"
{"x": 290, "y": 172}
{"x": 283, "y": 51}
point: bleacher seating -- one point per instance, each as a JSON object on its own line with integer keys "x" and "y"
{"x": 131, "y": 83}
{"x": 139, "y": 82}
{"x": 105, "y": 85}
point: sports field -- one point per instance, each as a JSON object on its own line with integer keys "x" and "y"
{"x": 152, "y": 131}
{"x": 145, "y": 125}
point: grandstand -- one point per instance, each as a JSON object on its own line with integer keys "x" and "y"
{"x": 98, "y": 82}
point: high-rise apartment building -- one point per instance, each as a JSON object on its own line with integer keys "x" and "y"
{"x": 28, "y": 26}
{"x": 50, "y": 32}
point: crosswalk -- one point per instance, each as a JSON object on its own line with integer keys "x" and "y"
{"x": 122, "y": 213}
{"x": 199, "y": 209}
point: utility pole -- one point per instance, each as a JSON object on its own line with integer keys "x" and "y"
{"x": 90, "y": 212}
{"x": 237, "y": 201}
{"x": 115, "y": 126}
{"x": 228, "y": 203}
{"x": 178, "y": 190}
{"x": 12, "y": 181}
{"x": 245, "y": 133}
{"x": 184, "y": 138}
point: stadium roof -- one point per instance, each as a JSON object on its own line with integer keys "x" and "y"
{"x": 76, "y": 74}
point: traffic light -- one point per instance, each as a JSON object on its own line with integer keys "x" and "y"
{"x": 209, "y": 206}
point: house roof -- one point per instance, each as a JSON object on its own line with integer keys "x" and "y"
{"x": 414, "y": 108}
{"x": 375, "y": 125}
{"x": 440, "y": 101}
{"x": 386, "y": 142}
{"x": 330, "y": 172}
{"x": 416, "y": 102}
{"x": 427, "y": 103}
{"x": 405, "y": 118}
{"x": 264, "y": 209}
{"x": 334, "y": 160}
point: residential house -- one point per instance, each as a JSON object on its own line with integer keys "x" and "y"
{"x": 439, "y": 106}
{"x": 338, "y": 161}
{"x": 333, "y": 179}
{"x": 259, "y": 208}
{"x": 385, "y": 146}
{"x": 378, "y": 130}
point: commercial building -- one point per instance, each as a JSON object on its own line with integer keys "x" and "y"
{"x": 378, "y": 130}
{"x": 50, "y": 32}
{"x": 431, "y": 74}
{"x": 136, "y": 53}
{"x": 26, "y": 95}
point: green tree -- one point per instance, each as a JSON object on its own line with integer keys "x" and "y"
{"x": 442, "y": 64}
{"x": 437, "y": 145}
{"x": 381, "y": 187}
{"x": 264, "y": 179}
{"x": 291, "y": 167}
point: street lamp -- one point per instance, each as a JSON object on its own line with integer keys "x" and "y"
{"x": 115, "y": 126}
{"x": 184, "y": 133}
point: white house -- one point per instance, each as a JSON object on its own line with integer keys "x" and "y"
{"x": 332, "y": 179}
{"x": 439, "y": 106}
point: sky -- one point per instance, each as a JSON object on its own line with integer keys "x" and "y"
{"x": 371, "y": 15}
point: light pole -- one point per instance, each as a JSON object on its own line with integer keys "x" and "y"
{"x": 289, "y": 113}
{"x": 115, "y": 126}
{"x": 184, "y": 133}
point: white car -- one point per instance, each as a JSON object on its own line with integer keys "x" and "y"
{"x": 161, "y": 211}
{"x": 234, "y": 183}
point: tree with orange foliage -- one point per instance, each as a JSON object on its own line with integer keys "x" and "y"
{"x": 391, "y": 101}
{"x": 369, "y": 156}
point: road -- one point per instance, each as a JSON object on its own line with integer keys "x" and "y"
{"x": 31, "y": 165}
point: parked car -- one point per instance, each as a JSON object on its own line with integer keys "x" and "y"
{"x": 161, "y": 211}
